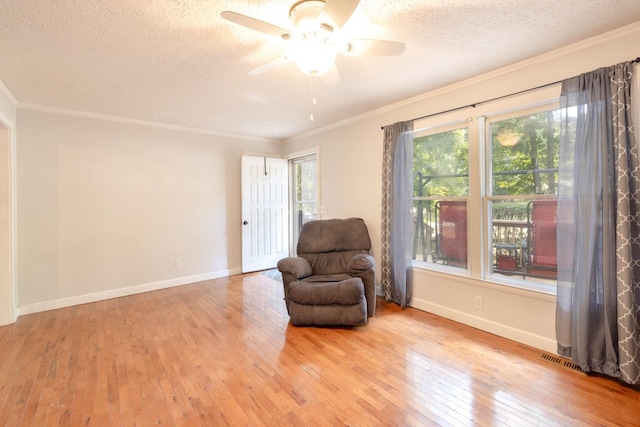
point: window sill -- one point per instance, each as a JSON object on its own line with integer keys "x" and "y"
{"x": 538, "y": 290}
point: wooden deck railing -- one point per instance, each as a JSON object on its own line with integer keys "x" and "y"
{"x": 511, "y": 251}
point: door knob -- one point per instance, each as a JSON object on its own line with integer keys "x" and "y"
{"x": 245, "y": 222}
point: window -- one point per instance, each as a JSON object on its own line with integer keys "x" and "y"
{"x": 485, "y": 191}
{"x": 441, "y": 187}
{"x": 522, "y": 185}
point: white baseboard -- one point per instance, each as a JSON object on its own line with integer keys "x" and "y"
{"x": 495, "y": 328}
{"x": 121, "y": 292}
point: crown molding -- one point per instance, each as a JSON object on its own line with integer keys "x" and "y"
{"x": 119, "y": 119}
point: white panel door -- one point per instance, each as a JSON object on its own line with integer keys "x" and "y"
{"x": 264, "y": 212}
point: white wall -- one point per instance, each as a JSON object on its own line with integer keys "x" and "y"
{"x": 350, "y": 174}
{"x": 350, "y": 167}
{"x": 105, "y": 208}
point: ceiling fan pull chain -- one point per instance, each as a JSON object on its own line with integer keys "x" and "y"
{"x": 313, "y": 97}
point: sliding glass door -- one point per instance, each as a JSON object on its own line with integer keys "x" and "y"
{"x": 304, "y": 194}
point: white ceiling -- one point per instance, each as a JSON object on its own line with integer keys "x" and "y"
{"x": 177, "y": 62}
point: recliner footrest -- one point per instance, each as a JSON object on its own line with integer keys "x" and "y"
{"x": 344, "y": 292}
{"x": 329, "y": 314}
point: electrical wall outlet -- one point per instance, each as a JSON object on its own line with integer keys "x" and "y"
{"x": 478, "y": 303}
{"x": 178, "y": 263}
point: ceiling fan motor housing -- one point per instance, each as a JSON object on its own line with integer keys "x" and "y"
{"x": 304, "y": 15}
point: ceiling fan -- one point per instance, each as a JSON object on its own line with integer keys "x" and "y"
{"x": 314, "y": 40}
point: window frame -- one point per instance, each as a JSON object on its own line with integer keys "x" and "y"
{"x": 429, "y": 130}
{"x": 478, "y": 217}
{"x": 488, "y": 196}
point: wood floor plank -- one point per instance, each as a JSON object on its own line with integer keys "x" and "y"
{"x": 222, "y": 352}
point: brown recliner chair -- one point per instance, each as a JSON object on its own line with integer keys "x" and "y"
{"x": 332, "y": 280}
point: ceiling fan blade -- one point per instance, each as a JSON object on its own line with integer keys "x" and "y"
{"x": 256, "y": 24}
{"x": 270, "y": 65}
{"x": 373, "y": 48}
{"x": 337, "y": 12}
{"x": 331, "y": 77}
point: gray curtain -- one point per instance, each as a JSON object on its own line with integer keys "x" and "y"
{"x": 598, "y": 302}
{"x": 397, "y": 203}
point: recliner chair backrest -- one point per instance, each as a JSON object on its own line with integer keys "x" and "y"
{"x": 329, "y": 244}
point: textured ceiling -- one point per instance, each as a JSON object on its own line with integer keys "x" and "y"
{"x": 177, "y": 62}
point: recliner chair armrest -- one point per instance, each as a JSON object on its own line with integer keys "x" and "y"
{"x": 295, "y": 266}
{"x": 360, "y": 263}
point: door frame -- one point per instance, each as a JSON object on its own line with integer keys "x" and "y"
{"x": 9, "y": 143}
{"x": 276, "y": 210}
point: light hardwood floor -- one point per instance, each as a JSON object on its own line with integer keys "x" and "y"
{"x": 221, "y": 352}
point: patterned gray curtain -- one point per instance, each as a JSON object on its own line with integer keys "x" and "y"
{"x": 598, "y": 302}
{"x": 397, "y": 220}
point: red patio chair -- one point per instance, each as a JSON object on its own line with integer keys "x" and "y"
{"x": 451, "y": 233}
{"x": 543, "y": 218}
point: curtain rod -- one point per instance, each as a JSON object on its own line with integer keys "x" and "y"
{"x": 637, "y": 60}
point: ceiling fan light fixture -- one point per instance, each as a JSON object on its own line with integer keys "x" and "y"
{"x": 508, "y": 139}
{"x": 315, "y": 38}
{"x": 313, "y": 54}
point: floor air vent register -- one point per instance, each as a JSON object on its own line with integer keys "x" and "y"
{"x": 562, "y": 362}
